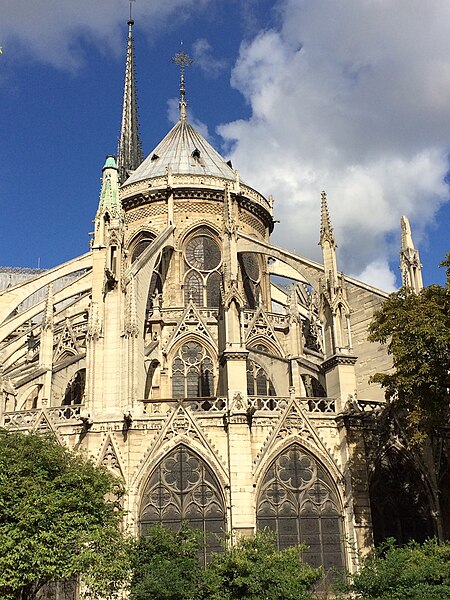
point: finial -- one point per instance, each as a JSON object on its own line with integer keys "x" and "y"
{"x": 182, "y": 60}
{"x": 326, "y": 229}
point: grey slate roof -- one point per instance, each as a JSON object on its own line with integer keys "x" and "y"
{"x": 187, "y": 152}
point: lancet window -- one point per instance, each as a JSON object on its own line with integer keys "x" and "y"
{"x": 184, "y": 488}
{"x": 74, "y": 392}
{"x": 203, "y": 259}
{"x": 299, "y": 502}
{"x": 258, "y": 383}
{"x": 192, "y": 372}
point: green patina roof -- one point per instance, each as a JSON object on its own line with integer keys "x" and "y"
{"x": 110, "y": 162}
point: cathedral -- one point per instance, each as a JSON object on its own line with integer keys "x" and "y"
{"x": 225, "y": 380}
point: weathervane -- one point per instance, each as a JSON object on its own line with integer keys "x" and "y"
{"x": 182, "y": 60}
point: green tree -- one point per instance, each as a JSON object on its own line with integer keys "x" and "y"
{"x": 55, "y": 521}
{"x": 413, "y": 572}
{"x": 416, "y": 329}
{"x": 253, "y": 569}
{"x": 166, "y": 565}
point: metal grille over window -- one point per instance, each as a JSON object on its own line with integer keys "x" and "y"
{"x": 192, "y": 372}
{"x": 202, "y": 280}
{"x": 184, "y": 488}
{"x": 298, "y": 501}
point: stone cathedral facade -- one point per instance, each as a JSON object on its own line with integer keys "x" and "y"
{"x": 219, "y": 395}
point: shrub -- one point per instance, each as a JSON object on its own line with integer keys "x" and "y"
{"x": 412, "y": 572}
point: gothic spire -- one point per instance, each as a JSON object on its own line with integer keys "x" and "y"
{"x": 409, "y": 259}
{"x": 129, "y": 150}
{"x": 182, "y": 60}
{"x": 326, "y": 229}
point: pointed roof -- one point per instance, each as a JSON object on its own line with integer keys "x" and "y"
{"x": 407, "y": 241}
{"x": 326, "y": 229}
{"x": 109, "y": 194}
{"x": 129, "y": 150}
{"x": 186, "y": 152}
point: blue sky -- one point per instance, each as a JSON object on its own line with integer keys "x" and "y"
{"x": 302, "y": 95}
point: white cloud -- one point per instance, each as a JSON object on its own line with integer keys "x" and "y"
{"x": 203, "y": 58}
{"x": 28, "y": 31}
{"x": 351, "y": 97}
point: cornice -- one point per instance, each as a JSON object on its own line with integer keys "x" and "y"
{"x": 233, "y": 355}
{"x": 338, "y": 359}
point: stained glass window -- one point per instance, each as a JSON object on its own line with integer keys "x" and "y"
{"x": 203, "y": 258}
{"x": 193, "y": 289}
{"x": 192, "y": 372}
{"x": 184, "y": 488}
{"x": 143, "y": 241}
{"x": 258, "y": 383}
{"x": 299, "y": 502}
{"x": 203, "y": 253}
{"x": 213, "y": 289}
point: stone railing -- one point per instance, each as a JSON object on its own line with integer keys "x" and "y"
{"x": 267, "y": 403}
{"x": 370, "y": 405}
{"x": 320, "y": 405}
{"x": 25, "y": 419}
{"x": 212, "y": 404}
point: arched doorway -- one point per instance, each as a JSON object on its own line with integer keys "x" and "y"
{"x": 398, "y": 499}
{"x": 183, "y": 488}
{"x": 298, "y": 501}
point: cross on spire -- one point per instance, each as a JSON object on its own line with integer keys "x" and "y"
{"x": 182, "y": 60}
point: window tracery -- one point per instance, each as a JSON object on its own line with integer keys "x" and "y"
{"x": 74, "y": 392}
{"x": 258, "y": 383}
{"x": 184, "y": 488}
{"x": 203, "y": 259}
{"x": 192, "y": 372}
{"x": 298, "y": 501}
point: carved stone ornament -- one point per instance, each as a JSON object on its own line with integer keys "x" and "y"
{"x": 94, "y": 330}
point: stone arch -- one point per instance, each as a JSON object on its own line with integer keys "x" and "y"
{"x": 152, "y": 381}
{"x": 74, "y": 392}
{"x": 299, "y": 500}
{"x": 400, "y": 499}
{"x": 191, "y": 231}
{"x": 139, "y": 242}
{"x": 202, "y": 253}
{"x": 30, "y": 398}
{"x": 259, "y": 382}
{"x": 183, "y": 487}
{"x": 193, "y": 365}
{"x": 261, "y": 344}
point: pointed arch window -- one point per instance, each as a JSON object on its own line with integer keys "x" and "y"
{"x": 192, "y": 372}
{"x": 141, "y": 243}
{"x": 258, "y": 382}
{"x": 299, "y": 502}
{"x": 74, "y": 393}
{"x": 203, "y": 258}
{"x": 184, "y": 488}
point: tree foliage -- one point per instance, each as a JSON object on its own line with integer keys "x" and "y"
{"x": 412, "y": 572}
{"x": 416, "y": 329}
{"x": 253, "y": 569}
{"x": 54, "y": 520}
{"x": 166, "y": 565}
